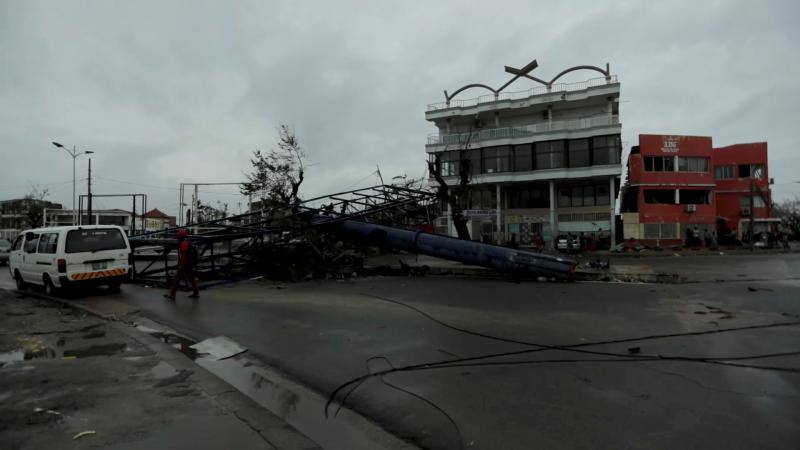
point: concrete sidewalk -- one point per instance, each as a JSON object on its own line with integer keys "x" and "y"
{"x": 65, "y": 373}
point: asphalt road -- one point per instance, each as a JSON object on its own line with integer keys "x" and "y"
{"x": 324, "y": 333}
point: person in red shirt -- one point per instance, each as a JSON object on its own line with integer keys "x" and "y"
{"x": 185, "y": 267}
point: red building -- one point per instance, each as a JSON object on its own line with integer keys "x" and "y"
{"x": 677, "y": 183}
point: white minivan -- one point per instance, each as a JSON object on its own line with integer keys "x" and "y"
{"x": 72, "y": 256}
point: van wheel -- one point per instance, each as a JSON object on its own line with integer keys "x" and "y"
{"x": 21, "y": 285}
{"x": 49, "y": 288}
{"x": 114, "y": 286}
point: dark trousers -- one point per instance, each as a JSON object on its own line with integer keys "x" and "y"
{"x": 184, "y": 273}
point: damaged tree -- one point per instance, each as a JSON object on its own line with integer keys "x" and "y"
{"x": 456, "y": 196}
{"x": 277, "y": 175}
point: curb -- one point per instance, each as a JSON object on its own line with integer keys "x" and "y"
{"x": 272, "y": 429}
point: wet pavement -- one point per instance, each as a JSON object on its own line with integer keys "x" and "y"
{"x": 326, "y": 333}
{"x": 72, "y": 380}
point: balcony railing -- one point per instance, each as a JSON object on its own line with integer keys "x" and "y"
{"x": 519, "y": 95}
{"x": 528, "y": 130}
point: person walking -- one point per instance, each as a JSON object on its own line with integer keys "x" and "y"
{"x": 538, "y": 243}
{"x": 187, "y": 260}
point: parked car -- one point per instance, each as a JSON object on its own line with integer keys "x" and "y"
{"x": 68, "y": 257}
{"x": 5, "y": 248}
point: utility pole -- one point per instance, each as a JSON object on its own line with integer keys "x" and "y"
{"x": 133, "y": 219}
{"x": 74, "y": 154}
{"x": 752, "y": 214}
{"x": 195, "y": 217}
{"x": 89, "y": 191}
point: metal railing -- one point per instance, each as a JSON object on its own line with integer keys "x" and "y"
{"x": 528, "y": 130}
{"x": 584, "y": 217}
{"x": 520, "y": 95}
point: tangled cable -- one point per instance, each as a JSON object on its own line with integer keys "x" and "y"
{"x": 615, "y": 357}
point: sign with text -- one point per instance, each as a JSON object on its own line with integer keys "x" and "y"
{"x": 480, "y": 213}
{"x": 669, "y": 144}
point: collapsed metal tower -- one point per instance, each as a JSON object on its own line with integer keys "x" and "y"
{"x": 385, "y": 215}
{"x": 231, "y": 243}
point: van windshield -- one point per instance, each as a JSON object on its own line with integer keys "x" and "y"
{"x": 94, "y": 240}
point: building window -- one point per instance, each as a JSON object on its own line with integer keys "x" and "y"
{"x": 602, "y": 195}
{"x": 755, "y": 171}
{"x": 744, "y": 202}
{"x": 692, "y": 164}
{"x": 504, "y": 158}
{"x": 579, "y": 153}
{"x": 496, "y": 159}
{"x": 523, "y": 159}
{"x": 489, "y": 160}
{"x": 577, "y": 196}
{"x": 549, "y": 155}
{"x": 474, "y": 157}
{"x": 606, "y": 150}
{"x": 695, "y": 197}
{"x": 564, "y": 197}
{"x": 659, "y": 196}
{"x": 588, "y": 196}
{"x": 659, "y": 164}
{"x": 591, "y": 195}
{"x": 449, "y": 163}
{"x": 528, "y": 197}
{"x": 660, "y": 231}
{"x": 723, "y": 172}
{"x": 482, "y": 199}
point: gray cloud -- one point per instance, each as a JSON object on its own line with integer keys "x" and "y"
{"x": 170, "y": 92}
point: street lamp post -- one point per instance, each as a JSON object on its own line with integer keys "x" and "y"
{"x": 74, "y": 153}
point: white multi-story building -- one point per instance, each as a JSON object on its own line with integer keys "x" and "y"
{"x": 545, "y": 160}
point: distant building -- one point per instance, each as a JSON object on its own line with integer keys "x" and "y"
{"x": 20, "y": 214}
{"x": 676, "y": 183}
{"x": 61, "y": 217}
{"x": 544, "y": 160}
{"x": 156, "y": 220}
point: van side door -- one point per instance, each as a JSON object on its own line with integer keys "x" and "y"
{"x": 46, "y": 255}
{"x": 28, "y": 266}
{"x": 15, "y": 255}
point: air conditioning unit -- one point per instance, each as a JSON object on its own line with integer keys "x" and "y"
{"x": 691, "y": 208}
{"x": 745, "y": 212}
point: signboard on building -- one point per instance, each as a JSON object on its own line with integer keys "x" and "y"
{"x": 480, "y": 213}
{"x": 669, "y": 144}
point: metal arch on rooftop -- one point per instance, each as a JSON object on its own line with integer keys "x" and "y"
{"x": 520, "y": 73}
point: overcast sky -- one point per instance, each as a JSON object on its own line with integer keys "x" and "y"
{"x": 170, "y": 92}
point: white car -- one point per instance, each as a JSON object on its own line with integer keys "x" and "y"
{"x": 5, "y": 248}
{"x": 73, "y": 256}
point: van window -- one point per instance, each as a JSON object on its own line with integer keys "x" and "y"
{"x": 48, "y": 243}
{"x": 94, "y": 240}
{"x": 32, "y": 243}
{"x": 18, "y": 242}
